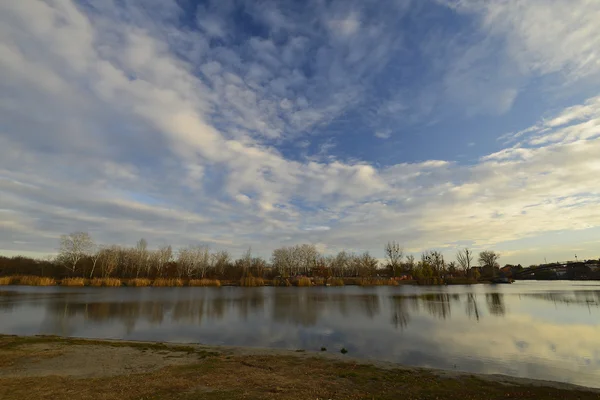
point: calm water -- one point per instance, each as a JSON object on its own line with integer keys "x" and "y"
{"x": 529, "y": 329}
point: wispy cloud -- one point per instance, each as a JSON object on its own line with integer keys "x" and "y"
{"x": 152, "y": 120}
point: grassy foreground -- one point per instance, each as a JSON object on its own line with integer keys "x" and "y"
{"x": 45, "y": 367}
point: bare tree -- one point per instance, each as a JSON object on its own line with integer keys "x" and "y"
{"x": 109, "y": 260}
{"x": 410, "y": 263}
{"x": 393, "y": 254}
{"x": 162, "y": 257}
{"x": 219, "y": 262}
{"x": 95, "y": 256}
{"x": 74, "y": 247}
{"x": 465, "y": 259}
{"x": 141, "y": 249}
{"x": 488, "y": 258}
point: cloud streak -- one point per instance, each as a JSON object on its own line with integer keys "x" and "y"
{"x": 129, "y": 121}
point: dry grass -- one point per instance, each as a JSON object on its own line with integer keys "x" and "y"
{"x": 303, "y": 282}
{"x": 377, "y": 282}
{"x": 336, "y": 282}
{"x": 73, "y": 282}
{"x": 35, "y": 281}
{"x": 7, "y": 280}
{"x": 105, "y": 282}
{"x": 250, "y": 281}
{"x": 162, "y": 282}
{"x": 233, "y": 376}
{"x": 205, "y": 282}
{"x": 139, "y": 282}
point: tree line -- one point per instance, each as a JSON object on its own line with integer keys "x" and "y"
{"x": 80, "y": 256}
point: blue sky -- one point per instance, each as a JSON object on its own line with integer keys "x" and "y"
{"x": 436, "y": 123}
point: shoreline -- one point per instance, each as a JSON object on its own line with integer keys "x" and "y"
{"x": 261, "y": 372}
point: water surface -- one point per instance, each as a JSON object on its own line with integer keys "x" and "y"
{"x": 542, "y": 330}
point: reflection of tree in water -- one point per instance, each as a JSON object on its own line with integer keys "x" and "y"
{"x": 495, "y": 303}
{"x": 250, "y": 301}
{"x": 369, "y": 303}
{"x": 472, "y": 308}
{"x": 192, "y": 310}
{"x": 587, "y": 298}
{"x": 400, "y": 314}
{"x": 297, "y": 308}
{"x": 436, "y": 304}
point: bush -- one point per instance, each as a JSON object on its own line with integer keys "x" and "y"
{"x": 336, "y": 282}
{"x": 34, "y": 281}
{"x": 106, "y": 282}
{"x": 73, "y": 282}
{"x": 303, "y": 282}
{"x": 161, "y": 282}
{"x": 318, "y": 281}
{"x": 139, "y": 282}
{"x": 205, "y": 282}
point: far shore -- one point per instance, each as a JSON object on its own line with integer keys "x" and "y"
{"x": 67, "y": 368}
{"x": 26, "y": 280}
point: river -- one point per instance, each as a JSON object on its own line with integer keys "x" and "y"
{"x": 541, "y": 330}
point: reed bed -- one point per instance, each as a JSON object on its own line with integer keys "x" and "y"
{"x": 139, "y": 282}
{"x": 73, "y": 282}
{"x": 303, "y": 282}
{"x": 204, "y": 282}
{"x": 250, "y": 281}
{"x": 105, "y": 282}
{"x": 336, "y": 282}
{"x": 36, "y": 281}
{"x": 7, "y": 280}
{"x": 377, "y": 282}
{"x": 162, "y": 282}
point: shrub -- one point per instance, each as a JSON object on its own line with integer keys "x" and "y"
{"x": 250, "y": 281}
{"x": 336, "y": 282}
{"x": 34, "y": 281}
{"x": 73, "y": 282}
{"x": 139, "y": 282}
{"x": 161, "y": 282}
{"x": 318, "y": 281}
{"x": 205, "y": 282}
{"x": 112, "y": 282}
{"x": 303, "y": 282}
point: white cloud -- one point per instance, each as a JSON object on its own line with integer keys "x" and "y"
{"x": 383, "y": 134}
{"x": 111, "y": 130}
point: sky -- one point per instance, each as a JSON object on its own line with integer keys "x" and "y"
{"x": 438, "y": 124}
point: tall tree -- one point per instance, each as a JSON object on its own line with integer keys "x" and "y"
{"x": 465, "y": 259}
{"x": 488, "y": 258}
{"x": 393, "y": 255}
{"x": 74, "y": 247}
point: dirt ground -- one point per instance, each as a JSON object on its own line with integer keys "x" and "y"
{"x": 55, "y": 368}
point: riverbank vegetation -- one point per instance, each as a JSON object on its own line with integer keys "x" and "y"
{"x": 52, "y": 368}
{"x": 81, "y": 262}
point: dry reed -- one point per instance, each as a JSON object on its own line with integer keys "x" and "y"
{"x": 34, "y": 281}
{"x": 73, "y": 282}
{"x": 162, "y": 282}
{"x": 336, "y": 282}
{"x": 303, "y": 282}
{"x": 139, "y": 282}
{"x": 105, "y": 282}
{"x": 7, "y": 280}
{"x": 250, "y": 281}
{"x": 205, "y": 282}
